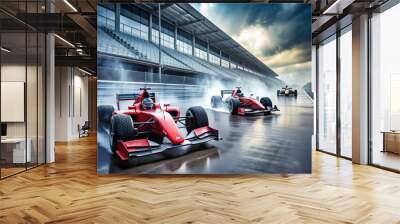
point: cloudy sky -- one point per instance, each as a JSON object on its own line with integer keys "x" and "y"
{"x": 277, "y": 34}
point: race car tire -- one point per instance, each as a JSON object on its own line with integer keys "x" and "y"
{"x": 295, "y": 92}
{"x": 233, "y": 105}
{"x": 278, "y": 92}
{"x": 216, "y": 101}
{"x": 196, "y": 117}
{"x": 122, "y": 126}
{"x": 266, "y": 102}
{"x": 105, "y": 113}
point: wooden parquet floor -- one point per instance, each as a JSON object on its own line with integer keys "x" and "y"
{"x": 70, "y": 191}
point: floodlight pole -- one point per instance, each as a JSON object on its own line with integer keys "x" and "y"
{"x": 159, "y": 42}
{"x": 208, "y": 51}
{"x": 117, "y": 17}
{"x": 193, "y": 43}
{"x": 150, "y": 27}
{"x": 175, "y": 36}
{"x": 220, "y": 58}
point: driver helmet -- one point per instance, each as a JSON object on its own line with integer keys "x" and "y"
{"x": 239, "y": 93}
{"x": 147, "y": 103}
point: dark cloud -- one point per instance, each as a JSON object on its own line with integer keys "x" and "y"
{"x": 277, "y": 31}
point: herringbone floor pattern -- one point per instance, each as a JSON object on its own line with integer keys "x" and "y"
{"x": 70, "y": 191}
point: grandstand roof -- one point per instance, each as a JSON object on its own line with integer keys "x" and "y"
{"x": 190, "y": 20}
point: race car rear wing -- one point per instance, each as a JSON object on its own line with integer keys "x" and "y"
{"x": 226, "y": 91}
{"x": 131, "y": 96}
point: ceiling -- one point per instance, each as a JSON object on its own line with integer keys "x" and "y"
{"x": 332, "y": 15}
{"x": 76, "y": 23}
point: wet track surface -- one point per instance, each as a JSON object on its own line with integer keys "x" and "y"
{"x": 276, "y": 143}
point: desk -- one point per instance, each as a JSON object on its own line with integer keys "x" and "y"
{"x": 391, "y": 141}
{"x": 13, "y": 150}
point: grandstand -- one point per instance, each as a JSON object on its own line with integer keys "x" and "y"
{"x": 189, "y": 45}
{"x": 190, "y": 56}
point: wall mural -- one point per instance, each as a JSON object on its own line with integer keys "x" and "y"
{"x": 224, "y": 89}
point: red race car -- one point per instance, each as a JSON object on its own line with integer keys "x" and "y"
{"x": 140, "y": 131}
{"x": 239, "y": 104}
{"x": 286, "y": 91}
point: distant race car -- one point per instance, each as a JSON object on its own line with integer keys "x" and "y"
{"x": 140, "y": 131}
{"x": 239, "y": 104}
{"x": 286, "y": 91}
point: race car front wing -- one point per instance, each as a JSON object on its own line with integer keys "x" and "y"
{"x": 246, "y": 111}
{"x": 143, "y": 147}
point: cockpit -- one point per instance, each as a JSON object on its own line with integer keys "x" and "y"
{"x": 239, "y": 93}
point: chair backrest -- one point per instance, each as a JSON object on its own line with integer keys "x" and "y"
{"x": 86, "y": 125}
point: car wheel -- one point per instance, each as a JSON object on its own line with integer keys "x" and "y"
{"x": 233, "y": 105}
{"x": 105, "y": 113}
{"x": 277, "y": 92}
{"x": 196, "y": 117}
{"x": 216, "y": 101}
{"x": 122, "y": 126}
{"x": 295, "y": 92}
{"x": 266, "y": 102}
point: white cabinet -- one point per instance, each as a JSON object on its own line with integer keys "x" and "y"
{"x": 17, "y": 145}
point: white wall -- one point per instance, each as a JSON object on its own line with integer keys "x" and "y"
{"x": 34, "y": 125}
{"x": 16, "y": 72}
{"x": 80, "y": 110}
{"x": 71, "y": 102}
{"x": 62, "y": 82}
